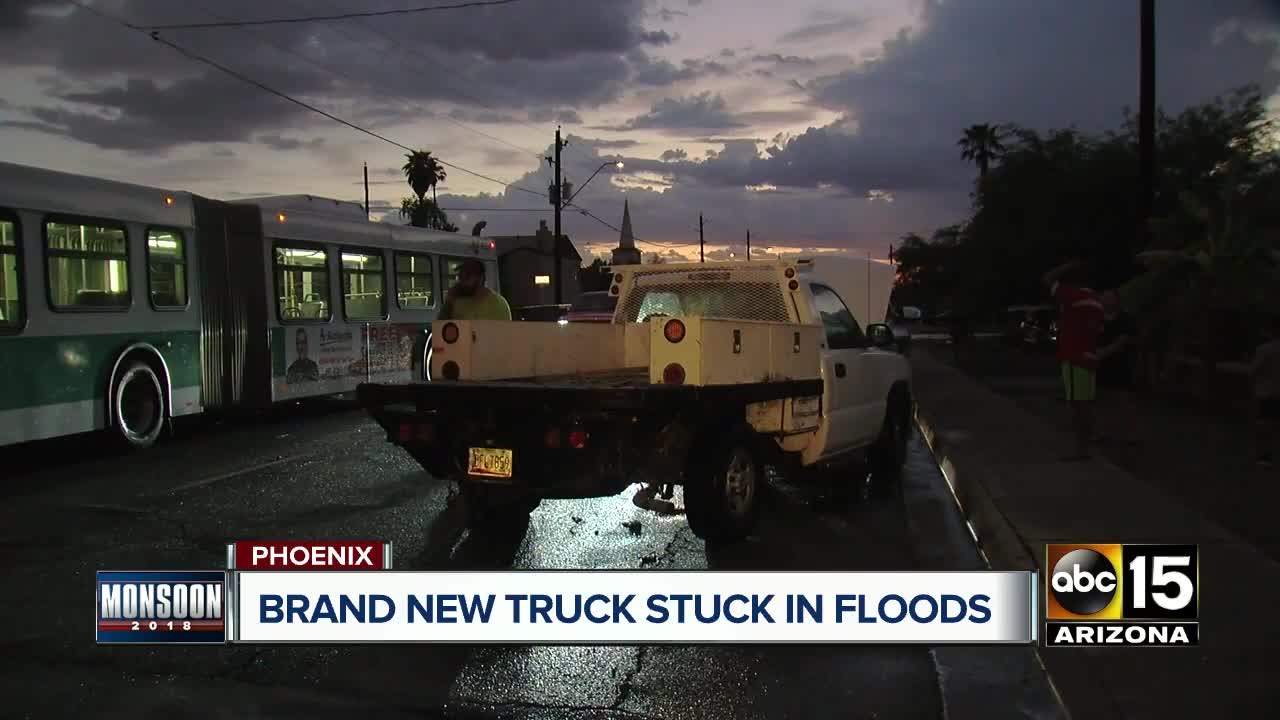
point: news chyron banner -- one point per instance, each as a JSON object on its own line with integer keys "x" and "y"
{"x": 346, "y": 592}
{"x": 1126, "y": 595}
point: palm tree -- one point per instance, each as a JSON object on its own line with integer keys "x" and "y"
{"x": 981, "y": 145}
{"x": 423, "y": 173}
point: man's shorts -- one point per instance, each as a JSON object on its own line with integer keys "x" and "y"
{"x": 1080, "y": 383}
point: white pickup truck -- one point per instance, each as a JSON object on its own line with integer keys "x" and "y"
{"x": 708, "y": 373}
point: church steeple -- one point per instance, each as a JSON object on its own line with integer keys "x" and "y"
{"x": 626, "y": 252}
{"x": 627, "y": 239}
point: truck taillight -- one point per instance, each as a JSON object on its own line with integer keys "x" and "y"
{"x": 673, "y": 374}
{"x": 673, "y": 331}
{"x": 415, "y": 432}
{"x": 793, "y": 285}
{"x": 578, "y": 438}
{"x": 450, "y": 333}
{"x": 450, "y": 370}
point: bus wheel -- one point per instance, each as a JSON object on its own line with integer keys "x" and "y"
{"x": 138, "y": 406}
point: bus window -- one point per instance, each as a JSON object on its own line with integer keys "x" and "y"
{"x": 88, "y": 265}
{"x": 414, "y": 281}
{"x": 167, "y": 268}
{"x": 302, "y": 281}
{"x": 451, "y": 269}
{"x": 362, "y": 286}
{"x": 11, "y": 310}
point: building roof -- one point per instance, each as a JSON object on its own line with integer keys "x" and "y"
{"x": 518, "y": 243}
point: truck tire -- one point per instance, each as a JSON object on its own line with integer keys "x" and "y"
{"x": 496, "y": 507}
{"x": 722, "y": 491}
{"x": 137, "y": 406}
{"x": 889, "y": 453}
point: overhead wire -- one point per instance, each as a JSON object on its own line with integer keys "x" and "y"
{"x": 153, "y": 32}
{"x": 411, "y": 103}
{"x": 285, "y": 96}
{"x": 323, "y": 18}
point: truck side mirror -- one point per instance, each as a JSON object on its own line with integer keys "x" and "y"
{"x": 881, "y": 336}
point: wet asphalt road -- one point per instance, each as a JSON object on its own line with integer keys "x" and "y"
{"x": 325, "y": 471}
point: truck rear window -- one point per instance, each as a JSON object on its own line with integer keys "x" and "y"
{"x": 730, "y": 301}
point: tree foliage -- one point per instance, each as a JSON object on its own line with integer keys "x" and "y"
{"x": 595, "y": 277}
{"x": 1048, "y": 196}
{"x": 423, "y": 213}
{"x": 423, "y": 172}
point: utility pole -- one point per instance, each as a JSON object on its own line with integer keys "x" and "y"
{"x": 557, "y": 201}
{"x": 702, "y": 245}
{"x": 748, "y": 244}
{"x": 1147, "y": 116}
{"x": 366, "y": 191}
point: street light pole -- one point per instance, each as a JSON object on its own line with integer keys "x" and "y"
{"x": 617, "y": 164}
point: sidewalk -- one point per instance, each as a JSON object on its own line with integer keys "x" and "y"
{"x": 1002, "y": 462}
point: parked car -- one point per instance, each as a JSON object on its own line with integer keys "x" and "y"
{"x": 593, "y": 307}
{"x": 540, "y": 313}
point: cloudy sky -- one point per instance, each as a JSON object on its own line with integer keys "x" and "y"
{"x": 813, "y": 123}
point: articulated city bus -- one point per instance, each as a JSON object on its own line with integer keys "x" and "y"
{"x": 123, "y": 306}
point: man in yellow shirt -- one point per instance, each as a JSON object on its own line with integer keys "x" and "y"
{"x": 469, "y": 299}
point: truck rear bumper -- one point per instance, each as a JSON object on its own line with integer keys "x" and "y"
{"x": 567, "y": 440}
{"x": 441, "y": 443}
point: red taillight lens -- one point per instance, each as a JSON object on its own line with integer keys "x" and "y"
{"x": 793, "y": 284}
{"x": 613, "y": 290}
{"x": 578, "y": 439}
{"x": 791, "y": 272}
{"x": 450, "y": 333}
{"x": 617, "y": 277}
{"x": 673, "y": 374}
{"x": 673, "y": 331}
{"x": 415, "y": 432}
{"x": 450, "y": 370}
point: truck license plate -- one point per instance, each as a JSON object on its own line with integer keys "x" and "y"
{"x": 489, "y": 462}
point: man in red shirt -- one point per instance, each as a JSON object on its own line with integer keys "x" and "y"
{"x": 1080, "y": 320}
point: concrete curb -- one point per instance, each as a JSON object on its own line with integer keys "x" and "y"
{"x": 1000, "y": 545}
{"x": 998, "y": 541}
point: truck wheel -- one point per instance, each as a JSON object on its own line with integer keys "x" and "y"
{"x": 496, "y": 507}
{"x": 889, "y": 453}
{"x": 137, "y": 406}
{"x": 722, "y": 492}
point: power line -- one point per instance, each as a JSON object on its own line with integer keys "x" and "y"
{"x": 400, "y": 98}
{"x": 284, "y": 96}
{"x": 475, "y": 209}
{"x": 320, "y": 18}
{"x": 612, "y": 227}
{"x": 444, "y": 72}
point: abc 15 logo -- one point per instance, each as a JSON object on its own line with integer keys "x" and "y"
{"x": 1122, "y": 582}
